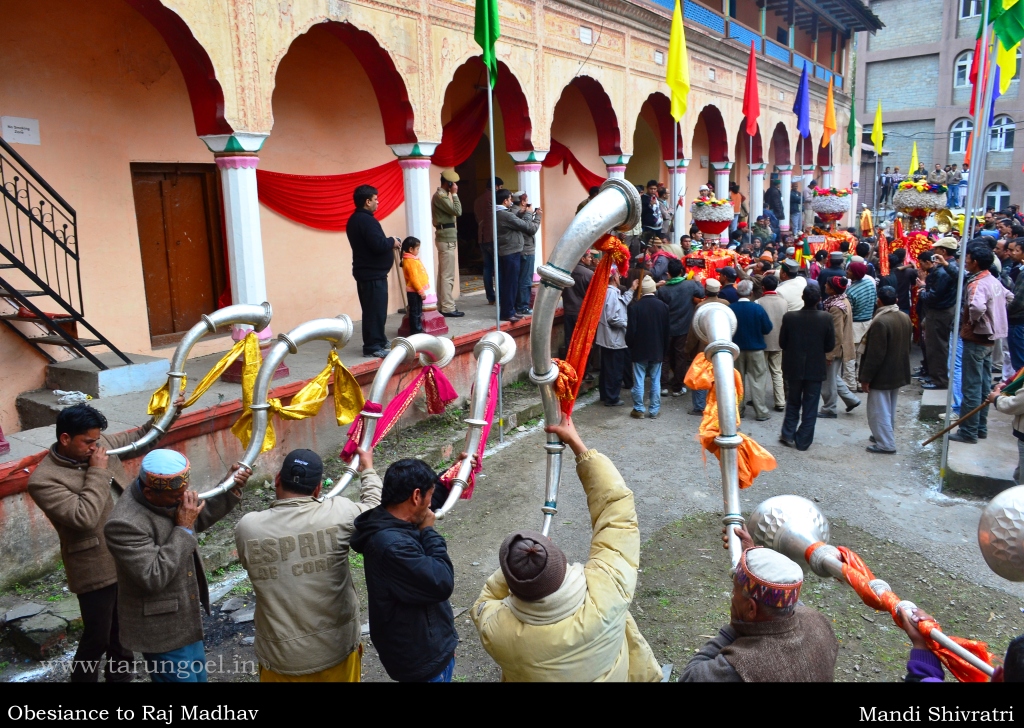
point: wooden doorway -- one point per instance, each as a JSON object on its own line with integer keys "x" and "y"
{"x": 178, "y": 210}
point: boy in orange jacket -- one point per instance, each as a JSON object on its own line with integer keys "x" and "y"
{"x": 416, "y": 283}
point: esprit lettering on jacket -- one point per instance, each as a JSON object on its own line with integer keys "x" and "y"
{"x": 304, "y": 550}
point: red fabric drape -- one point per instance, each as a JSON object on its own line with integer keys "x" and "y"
{"x": 325, "y": 202}
{"x": 462, "y": 133}
{"x": 560, "y": 154}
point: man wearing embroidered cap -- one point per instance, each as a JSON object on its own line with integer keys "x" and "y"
{"x": 444, "y": 208}
{"x": 296, "y": 553}
{"x": 771, "y": 636}
{"x": 152, "y": 537}
{"x": 544, "y": 620}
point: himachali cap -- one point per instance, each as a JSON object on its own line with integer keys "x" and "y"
{"x": 450, "y": 175}
{"x": 836, "y": 255}
{"x": 769, "y": 578}
{"x": 164, "y": 470}
{"x": 712, "y": 286}
{"x": 946, "y": 242}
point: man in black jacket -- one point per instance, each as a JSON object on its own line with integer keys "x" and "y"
{"x": 773, "y": 200}
{"x": 647, "y": 338}
{"x": 511, "y": 228}
{"x": 939, "y": 301}
{"x": 681, "y": 296}
{"x": 835, "y": 268}
{"x": 409, "y": 577}
{"x": 651, "y": 218}
{"x": 372, "y": 257}
{"x": 806, "y": 337}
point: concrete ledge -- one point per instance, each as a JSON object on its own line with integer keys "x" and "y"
{"x": 984, "y": 469}
{"x": 145, "y": 373}
{"x": 933, "y": 403}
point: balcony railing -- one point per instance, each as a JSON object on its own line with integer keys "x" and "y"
{"x": 735, "y": 31}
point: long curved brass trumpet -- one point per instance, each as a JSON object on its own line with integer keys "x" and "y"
{"x": 617, "y": 205}
{"x": 494, "y": 347}
{"x": 244, "y": 313}
{"x": 336, "y": 330}
{"x": 794, "y": 526}
{"x": 430, "y": 350}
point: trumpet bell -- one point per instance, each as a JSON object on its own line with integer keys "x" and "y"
{"x": 788, "y": 524}
{"x": 1001, "y": 534}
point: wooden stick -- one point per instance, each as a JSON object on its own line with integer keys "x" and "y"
{"x": 942, "y": 432}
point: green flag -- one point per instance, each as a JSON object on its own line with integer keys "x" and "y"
{"x": 1009, "y": 24}
{"x": 486, "y": 33}
{"x": 851, "y": 128}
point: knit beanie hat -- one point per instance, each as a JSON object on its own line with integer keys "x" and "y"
{"x": 533, "y": 565}
{"x": 648, "y": 286}
{"x": 857, "y": 270}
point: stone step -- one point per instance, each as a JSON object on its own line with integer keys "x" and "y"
{"x": 933, "y": 403}
{"x": 145, "y": 373}
{"x": 986, "y": 468}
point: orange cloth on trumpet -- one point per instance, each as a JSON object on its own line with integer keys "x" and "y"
{"x": 751, "y": 458}
{"x": 858, "y": 575}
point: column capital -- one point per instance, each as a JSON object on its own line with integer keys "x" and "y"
{"x": 530, "y": 155}
{"x": 240, "y": 141}
{"x": 721, "y": 167}
{"x": 810, "y": 168}
{"x": 415, "y": 149}
{"x": 680, "y": 165}
{"x": 414, "y": 162}
{"x": 758, "y": 168}
{"x": 616, "y": 170}
{"x": 228, "y": 160}
{"x": 616, "y": 160}
{"x": 828, "y": 169}
{"x": 784, "y": 168}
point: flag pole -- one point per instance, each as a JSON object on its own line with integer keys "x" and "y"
{"x": 982, "y": 98}
{"x": 494, "y": 232}
{"x": 675, "y": 181}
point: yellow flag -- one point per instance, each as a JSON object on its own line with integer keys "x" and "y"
{"x": 1006, "y": 59}
{"x": 914, "y": 164}
{"x": 677, "y": 74}
{"x": 876, "y": 130}
{"x": 830, "y": 118}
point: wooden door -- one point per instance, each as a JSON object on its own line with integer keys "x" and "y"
{"x": 178, "y": 213}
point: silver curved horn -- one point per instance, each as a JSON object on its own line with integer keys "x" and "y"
{"x": 496, "y": 346}
{"x": 1001, "y": 534}
{"x": 790, "y": 525}
{"x": 431, "y": 350}
{"x": 257, "y": 316}
{"x": 336, "y": 330}
{"x": 716, "y": 323}
{"x": 617, "y": 205}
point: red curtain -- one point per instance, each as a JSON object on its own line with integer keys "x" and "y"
{"x": 325, "y": 202}
{"x": 462, "y": 133}
{"x": 560, "y": 154}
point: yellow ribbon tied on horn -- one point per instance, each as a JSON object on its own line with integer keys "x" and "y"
{"x": 348, "y": 403}
{"x": 161, "y": 399}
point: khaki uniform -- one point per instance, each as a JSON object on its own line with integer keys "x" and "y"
{"x": 444, "y": 208}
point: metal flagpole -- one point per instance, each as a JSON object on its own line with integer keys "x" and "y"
{"x": 875, "y": 185}
{"x": 675, "y": 183}
{"x": 494, "y": 232}
{"x": 750, "y": 181}
{"x": 982, "y": 99}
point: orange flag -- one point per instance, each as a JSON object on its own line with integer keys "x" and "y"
{"x": 830, "y": 118}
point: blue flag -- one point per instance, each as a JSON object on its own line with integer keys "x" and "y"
{"x": 802, "y": 106}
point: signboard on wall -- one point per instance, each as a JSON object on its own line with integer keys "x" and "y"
{"x": 704, "y": 161}
{"x": 18, "y": 130}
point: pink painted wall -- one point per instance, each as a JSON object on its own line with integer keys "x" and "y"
{"x": 562, "y": 192}
{"x": 326, "y": 121}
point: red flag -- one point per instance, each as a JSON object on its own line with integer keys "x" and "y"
{"x": 751, "y": 102}
{"x": 975, "y": 68}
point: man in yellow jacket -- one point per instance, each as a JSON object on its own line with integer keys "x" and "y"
{"x": 542, "y": 619}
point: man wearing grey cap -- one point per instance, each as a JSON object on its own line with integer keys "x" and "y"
{"x": 296, "y": 553}
{"x": 544, "y": 620}
{"x": 791, "y": 284}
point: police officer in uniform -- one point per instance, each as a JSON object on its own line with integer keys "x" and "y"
{"x": 444, "y": 208}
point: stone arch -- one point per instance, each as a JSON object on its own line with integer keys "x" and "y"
{"x": 779, "y": 145}
{"x": 389, "y": 86}
{"x": 710, "y": 118}
{"x": 601, "y": 110}
{"x": 743, "y": 142}
{"x": 512, "y": 101}
{"x": 204, "y": 90}
{"x": 661, "y": 107}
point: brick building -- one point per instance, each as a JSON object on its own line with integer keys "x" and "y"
{"x": 918, "y": 66}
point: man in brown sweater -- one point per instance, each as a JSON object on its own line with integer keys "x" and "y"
{"x": 771, "y": 637}
{"x": 72, "y": 487}
{"x": 884, "y": 368}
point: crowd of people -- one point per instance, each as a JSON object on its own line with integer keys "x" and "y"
{"x": 808, "y": 335}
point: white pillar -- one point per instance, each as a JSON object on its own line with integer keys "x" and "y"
{"x": 677, "y": 192}
{"x": 616, "y": 165}
{"x": 528, "y": 167}
{"x": 414, "y": 159}
{"x": 809, "y": 170}
{"x": 786, "y": 185}
{"x": 756, "y": 191}
{"x": 236, "y": 158}
{"x": 722, "y": 189}
{"x": 826, "y": 176}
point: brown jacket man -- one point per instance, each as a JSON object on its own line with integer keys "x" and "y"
{"x": 160, "y": 573}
